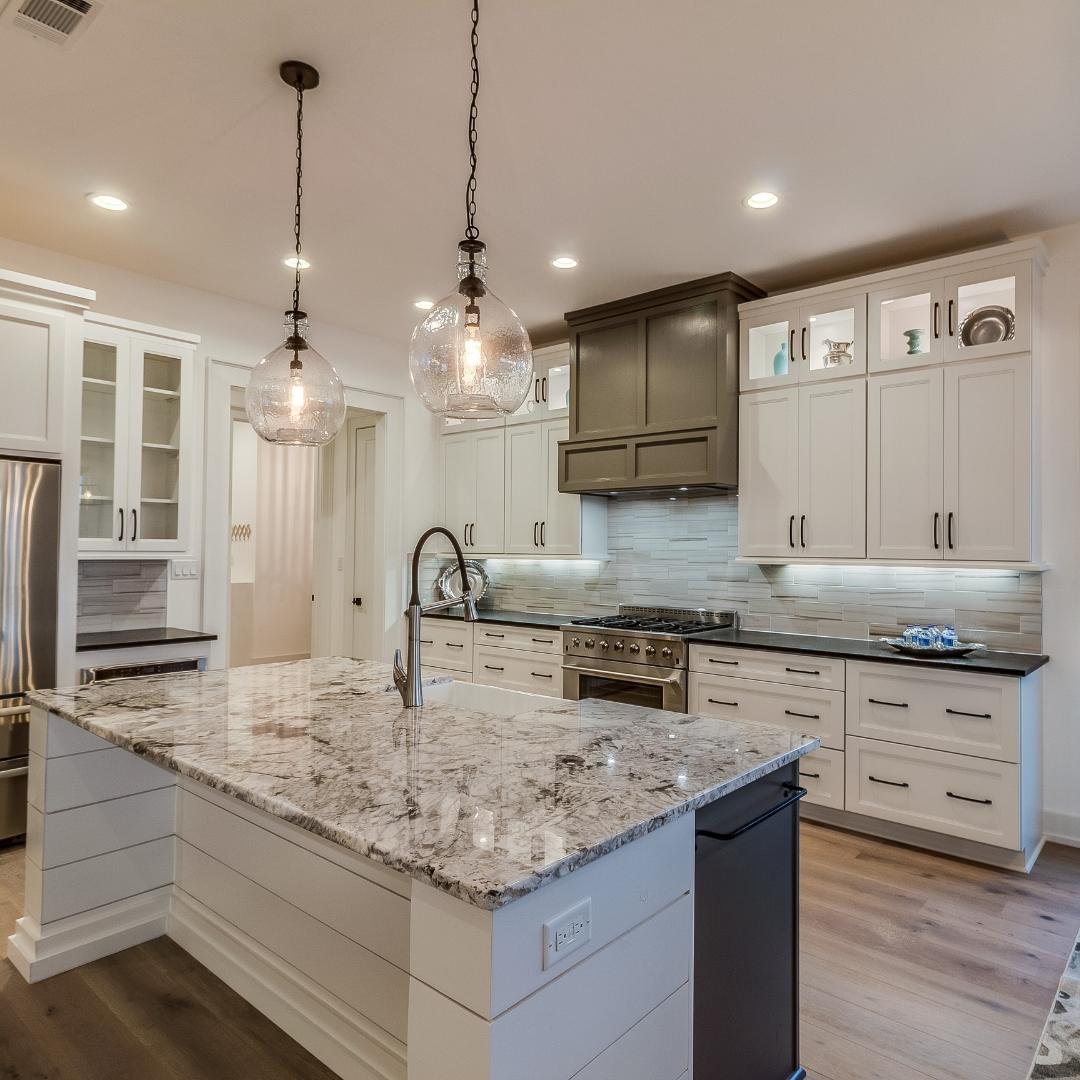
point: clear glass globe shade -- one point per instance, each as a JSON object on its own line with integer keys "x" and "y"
{"x": 295, "y": 405}
{"x": 471, "y": 373}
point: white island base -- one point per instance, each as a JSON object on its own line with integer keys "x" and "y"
{"x": 377, "y": 974}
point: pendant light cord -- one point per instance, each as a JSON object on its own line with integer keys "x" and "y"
{"x": 471, "y": 231}
{"x": 299, "y": 192}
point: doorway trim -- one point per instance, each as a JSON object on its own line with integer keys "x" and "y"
{"x": 222, "y": 378}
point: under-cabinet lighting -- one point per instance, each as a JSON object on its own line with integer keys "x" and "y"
{"x": 107, "y": 202}
{"x": 762, "y": 200}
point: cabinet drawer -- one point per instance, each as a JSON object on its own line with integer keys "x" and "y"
{"x": 963, "y": 796}
{"x": 959, "y": 711}
{"x": 822, "y": 774}
{"x": 537, "y": 673}
{"x": 446, "y": 644}
{"x": 794, "y": 668}
{"x": 806, "y": 710}
{"x": 518, "y": 637}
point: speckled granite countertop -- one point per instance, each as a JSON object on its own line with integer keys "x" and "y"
{"x": 485, "y": 807}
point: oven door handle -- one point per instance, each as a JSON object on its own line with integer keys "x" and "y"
{"x": 628, "y": 676}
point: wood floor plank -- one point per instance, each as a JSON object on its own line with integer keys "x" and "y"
{"x": 826, "y": 1052}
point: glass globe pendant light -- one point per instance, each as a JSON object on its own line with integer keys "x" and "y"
{"x": 470, "y": 358}
{"x": 294, "y": 395}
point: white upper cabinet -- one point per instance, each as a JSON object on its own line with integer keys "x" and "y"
{"x": 526, "y": 488}
{"x": 832, "y": 471}
{"x": 987, "y": 460}
{"x": 472, "y": 477}
{"x": 906, "y": 325}
{"x": 768, "y": 472}
{"x": 549, "y": 397}
{"x": 769, "y": 344}
{"x": 904, "y": 470}
{"x": 136, "y": 439}
{"x": 832, "y": 337}
{"x": 988, "y": 311}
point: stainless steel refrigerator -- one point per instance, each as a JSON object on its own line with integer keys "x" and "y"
{"x": 29, "y": 546}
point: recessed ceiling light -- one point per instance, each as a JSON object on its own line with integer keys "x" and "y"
{"x": 762, "y": 200}
{"x": 292, "y": 262}
{"x": 564, "y": 262}
{"x": 424, "y": 305}
{"x": 107, "y": 202}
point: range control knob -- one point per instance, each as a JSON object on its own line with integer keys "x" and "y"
{"x": 618, "y": 646}
{"x": 650, "y": 649}
{"x": 575, "y": 642}
{"x": 665, "y": 653}
{"x": 604, "y": 645}
{"x": 589, "y": 643}
{"x": 635, "y": 647}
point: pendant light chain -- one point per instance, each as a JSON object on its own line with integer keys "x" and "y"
{"x": 299, "y": 190}
{"x": 471, "y": 231}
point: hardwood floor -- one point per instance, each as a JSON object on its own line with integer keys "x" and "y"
{"x": 914, "y": 966}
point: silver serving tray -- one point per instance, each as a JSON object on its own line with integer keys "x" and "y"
{"x": 987, "y": 325}
{"x": 448, "y": 583}
{"x": 932, "y": 652}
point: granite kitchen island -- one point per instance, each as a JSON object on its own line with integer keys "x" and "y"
{"x": 494, "y": 886}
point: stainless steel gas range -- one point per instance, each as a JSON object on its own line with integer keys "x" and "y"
{"x": 639, "y": 656}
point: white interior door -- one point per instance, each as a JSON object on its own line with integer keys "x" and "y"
{"x": 562, "y": 519}
{"x": 988, "y": 460}
{"x": 526, "y": 488}
{"x": 363, "y": 542}
{"x": 768, "y": 472}
{"x": 487, "y": 530}
{"x": 904, "y": 465}
{"x": 832, "y": 470}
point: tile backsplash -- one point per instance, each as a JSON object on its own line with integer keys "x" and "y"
{"x": 121, "y": 594}
{"x": 682, "y": 553}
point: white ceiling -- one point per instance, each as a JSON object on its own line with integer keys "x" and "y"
{"x": 624, "y": 132}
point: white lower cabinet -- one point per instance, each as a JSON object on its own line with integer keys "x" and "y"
{"x": 445, "y": 643}
{"x": 537, "y": 673}
{"x": 822, "y": 774}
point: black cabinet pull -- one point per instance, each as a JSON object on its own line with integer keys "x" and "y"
{"x": 426, "y": 641}
{"x": 937, "y": 318}
{"x": 539, "y": 675}
{"x": 802, "y": 671}
{"x": 891, "y": 704}
{"x": 802, "y": 530}
{"x": 134, "y": 524}
{"x": 728, "y": 663}
{"x": 891, "y": 783}
{"x": 454, "y": 645}
{"x": 950, "y": 531}
{"x": 536, "y": 391}
{"x": 951, "y": 330}
{"x": 810, "y": 775}
{"x": 492, "y": 667}
{"x": 802, "y": 715}
{"x": 796, "y": 794}
{"x": 937, "y": 523}
{"x": 544, "y": 640}
{"x": 717, "y": 701}
{"x": 968, "y": 798}
{"x": 536, "y": 542}
{"x": 791, "y": 532}
{"x": 543, "y": 531}
{"x": 791, "y": 347}
{"x": 804, "y": 342}
{"x": 121, "y": 536}
{"x": 976, "y": 715}
{"x": 488, "y": 633}
{"x": 543, "y": 389}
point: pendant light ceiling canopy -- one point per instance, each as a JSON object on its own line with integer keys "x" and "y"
{"x": 294, "y": 396}
{"x": 470, "y": 357}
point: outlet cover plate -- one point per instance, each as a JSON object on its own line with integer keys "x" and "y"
{"x": 567, "y": 932}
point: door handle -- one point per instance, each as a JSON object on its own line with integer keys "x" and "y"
{"x": 796, "y": 794}
{"x": 543, "y": 530}
{"x": 121, "y": 536}
{"x": 543, "y": 389}
{"x": 891, "y": 783}
{"x": 472, "y": 534}
{"x": 802, "y": 530}
{"x": 937, "y": 523}
{"x": 937, "y": 318}
{"x": 803, "y": 347}
{"x": 134, "y": 524}
{"x": 952, "y": 331}
{"x": 968, "y": 798}
{"x": 791, "y": 528}
{"x": 950, "y": 531}
{"x": 791, "y": 346}
{"x": 536, "y": 542}
{"x": 357, "y": 601}
{"x": 536, "y": 391}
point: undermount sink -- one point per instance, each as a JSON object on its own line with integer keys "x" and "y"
{"x": 490, "y": 699}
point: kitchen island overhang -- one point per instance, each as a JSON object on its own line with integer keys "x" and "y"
{"x": 408, "y": 893}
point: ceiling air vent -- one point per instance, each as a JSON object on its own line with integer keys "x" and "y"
{"x": 57, "y": 21}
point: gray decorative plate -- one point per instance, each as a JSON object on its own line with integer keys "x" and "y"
{"x": 932, "y": 652}
{"x": 987, "y": 325}
{"x": 448, "y": 583}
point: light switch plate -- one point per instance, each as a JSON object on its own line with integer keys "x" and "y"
{"x": 567, "y": 932}
{"x": 185, "y": 569}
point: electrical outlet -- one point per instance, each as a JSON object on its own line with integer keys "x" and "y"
{"x": 567, "y": 932}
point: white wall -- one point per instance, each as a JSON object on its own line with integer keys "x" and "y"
{"x": 1059, "y": 441}
{"x": 242, "y": 333}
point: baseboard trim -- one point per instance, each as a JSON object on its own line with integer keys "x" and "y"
{"x": 1062, "y": 828}
{"x": 41, "y": 951}
{"x": 341, "y": 1038}
{"x": 955, "y": 846}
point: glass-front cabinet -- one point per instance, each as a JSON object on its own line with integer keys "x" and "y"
{"x": 549, "y": 398}
{"x": 135, "y": 441}
{"x": 907, "y": 325}
{"x": 768, "y": 347}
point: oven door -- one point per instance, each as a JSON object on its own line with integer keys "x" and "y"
{"x": 631, "y": 684}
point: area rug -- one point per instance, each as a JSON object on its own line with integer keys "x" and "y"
{"x": 1057, "y": 1057}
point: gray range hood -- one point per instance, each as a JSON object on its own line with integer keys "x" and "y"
{"x": 654, "y": 391}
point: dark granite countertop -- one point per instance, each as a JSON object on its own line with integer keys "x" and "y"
{"x": 132, "y": 639}
{"x": 1016, "y": 664}
{"x": 536, "y": 620}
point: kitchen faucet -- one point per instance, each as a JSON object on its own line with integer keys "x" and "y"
{"x": 407, "y": 680}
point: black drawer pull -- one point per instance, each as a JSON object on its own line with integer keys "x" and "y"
{"x": 802, "y": 671}
{"x": 968, "y": 798}
{"x": 891, "y": 783}
{"x": 802, "y": 715}
{"x": 891, "y": 704}
{"x": 544, "y": 640}
{"x": 487, "y": 633}
{"x": 730, "y": 663}
{"x": 454, "y": 645}
{"x": 810, "y": 775}
{"x": 539, "y": 675}
{"x": 977, "y": 715}
{"x": 717, "y": 701}
{"x": 426, "y": 641}
{"x": 492, "y": 667}
{"x": 795, "y": 795}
